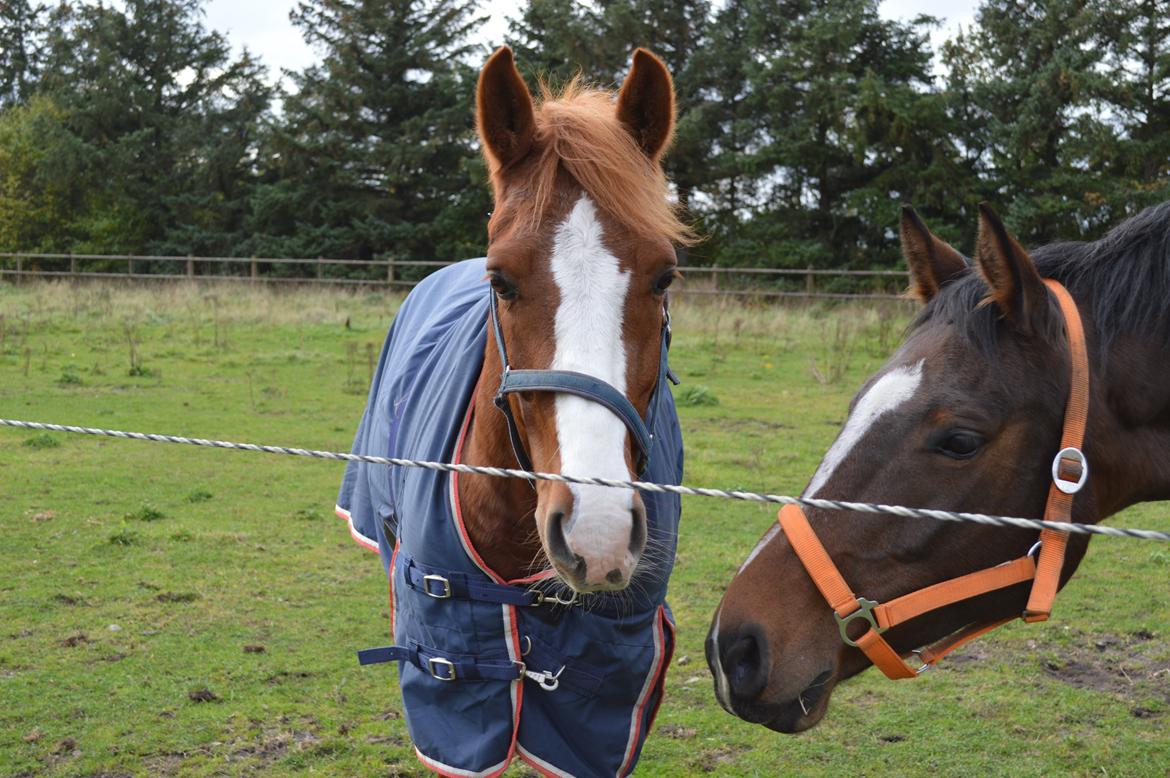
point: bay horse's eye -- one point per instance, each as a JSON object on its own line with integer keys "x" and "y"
{"x": 503, "y": 286}
{"x": 663, "y": 282}
{"x": 960, "y": 444}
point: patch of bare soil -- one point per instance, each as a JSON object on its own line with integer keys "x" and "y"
{"x": 1131, "y": 667}
{"x": 711, "y": 759}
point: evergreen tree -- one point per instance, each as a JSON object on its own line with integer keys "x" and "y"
{"x": 373, "y": 156}
{"x": 1041, "y": 91}
{"x": 1138, "y": 68}
{"x": 21, "y": 33}
{"x": 165, "y": 125}
{"x": 844, "y": 124}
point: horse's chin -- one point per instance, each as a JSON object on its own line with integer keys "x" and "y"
{"x": 793, "y": 716}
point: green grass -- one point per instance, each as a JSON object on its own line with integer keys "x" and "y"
{"x": 172, "y": 610}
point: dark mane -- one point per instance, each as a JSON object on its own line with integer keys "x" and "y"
{"x": 1121, "y": 280}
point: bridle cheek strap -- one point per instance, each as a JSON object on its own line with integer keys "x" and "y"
{"x": 1070, "y": 469}
{"x": 1069, "y": 473}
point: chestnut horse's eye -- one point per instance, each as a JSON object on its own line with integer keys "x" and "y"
{"x": 663, "y": 282}
{"x": 960, "y": 444}
{"x": 503, "y": 286}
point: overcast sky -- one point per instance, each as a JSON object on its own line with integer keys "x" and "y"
{"x": 263, "y": 26}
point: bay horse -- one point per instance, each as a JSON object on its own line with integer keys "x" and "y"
{"x": 973, "y": 412}
{"x": 529, "y": 618}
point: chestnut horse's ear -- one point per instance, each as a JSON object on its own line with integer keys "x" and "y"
{"x": 646, "y": 104}
{"x": 504, "y": 112}
{"x": 932, "y": 262}
{"x": 1016, "y": 286}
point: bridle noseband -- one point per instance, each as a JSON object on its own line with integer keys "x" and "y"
{"x": 513, "y": 381}
{"x": 1070, "y": 471}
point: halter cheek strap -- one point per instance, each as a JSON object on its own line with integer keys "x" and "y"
{"x": 1070, "y": 471}
{"x": 581, "y": 385}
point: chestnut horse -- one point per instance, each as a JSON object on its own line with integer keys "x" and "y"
{"x": 967, "y": 415}
{"x": 530, "y": 618}
{"x": 580, "y": 255}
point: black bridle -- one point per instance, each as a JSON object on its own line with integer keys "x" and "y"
{"x": 571, "y": 382}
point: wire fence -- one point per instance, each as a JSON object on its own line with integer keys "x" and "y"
{"x": 694, "y": 491}
{"x": 758, "y": 282}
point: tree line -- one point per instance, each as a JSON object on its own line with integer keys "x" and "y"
{"x": 803, "y": 124}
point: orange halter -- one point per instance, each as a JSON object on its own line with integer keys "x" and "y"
{"x": 1070, "y": 470}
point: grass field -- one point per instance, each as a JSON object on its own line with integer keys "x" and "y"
{"x": 170, "y": 610}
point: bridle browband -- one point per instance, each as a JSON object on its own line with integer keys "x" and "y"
{"x": 514, "y": 381}
{"x": 1070, "y": 471}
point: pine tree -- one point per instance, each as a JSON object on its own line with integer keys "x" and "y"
{"x": 1041, "y": 92}
{"x": 1138, "y": 67}
{"x": 21, "y": 34}
{"x": 839, "y": 116}
{"x": 373, "y": 156}
{"x": 165, "y": 124}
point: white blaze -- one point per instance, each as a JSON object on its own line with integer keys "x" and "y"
{"x": 887, "y": 393}
{"x": 589, "y": 340}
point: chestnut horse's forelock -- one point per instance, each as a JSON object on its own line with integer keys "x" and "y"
{"x": 578, "y": 132}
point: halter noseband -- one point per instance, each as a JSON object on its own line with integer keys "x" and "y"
{"x": 582, "y": 385}
{"x": 1070, "y": 471}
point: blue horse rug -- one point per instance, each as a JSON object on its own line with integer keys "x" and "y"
{"x": 491, "y": 669}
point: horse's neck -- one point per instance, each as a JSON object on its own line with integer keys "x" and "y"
{"x": 1131, "y": 436}
{"x": 497, "y": 512}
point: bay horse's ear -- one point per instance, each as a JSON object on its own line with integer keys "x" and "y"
{"x": 932, "y": 262}
{"x": 504, "y": 113}
{"x": 1016, "y": 286}
{"x": 646, "y": 104}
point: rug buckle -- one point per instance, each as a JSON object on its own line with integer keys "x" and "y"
{"x": 444, "y": 593}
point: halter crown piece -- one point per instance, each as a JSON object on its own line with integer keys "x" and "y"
{"x": 514, "y": 381}
{"x": 1070, "y": 471}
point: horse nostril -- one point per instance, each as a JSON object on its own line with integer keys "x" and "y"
{"x": 558, "y": 545}
{"x": 638, "y": 528}
{"x": 745, "y": 663}
{"x": 614, "y": 576}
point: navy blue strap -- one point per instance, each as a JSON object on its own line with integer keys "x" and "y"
{"x": 581, "y": 385}
{"x": 588, "y": 387}
{"x": 442, "y": 584}
{"x": 445, "y": 668}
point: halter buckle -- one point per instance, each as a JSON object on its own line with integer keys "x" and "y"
{"x": 864, "y": 611}
{"x": 925, "y": 665}
{"x": 1070, "y": 470}
{"x": 434, "y": 665}
{"x": 443, "y": 593}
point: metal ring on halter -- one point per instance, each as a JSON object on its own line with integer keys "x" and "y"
{"x": 925, "y": 665}
{"x": 1076, "y": 457}
{"x": 528, "y": 640}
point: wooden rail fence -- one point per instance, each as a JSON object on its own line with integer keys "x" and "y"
{"x": 764, "y": 282}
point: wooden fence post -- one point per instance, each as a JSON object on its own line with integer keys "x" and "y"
{"x": 320, "y": 267}
{"x": 255, "y": 274}
{"x": 72, "y": 264}
{"x": 390, "y": 270}
{"x": 190, "y": 266}
{"x": 19, "y": 270}
{"x": 810, "y": 287}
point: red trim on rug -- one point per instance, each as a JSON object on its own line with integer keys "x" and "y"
{"x": 360, "y": 539}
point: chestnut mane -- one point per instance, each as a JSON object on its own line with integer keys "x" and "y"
{"x": 577, "y": 129}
